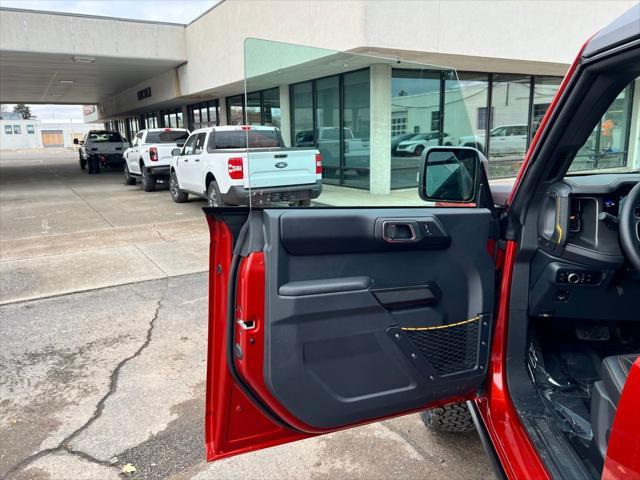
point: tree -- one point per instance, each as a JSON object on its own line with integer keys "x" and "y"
{"x": 23, "y": 110}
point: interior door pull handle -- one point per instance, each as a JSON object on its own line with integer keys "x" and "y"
{"x": 400, "y": 231}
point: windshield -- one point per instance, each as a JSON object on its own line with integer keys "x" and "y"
{"x": 105, "y": 137}
{"x": 614, "y": 143}
{"x": 167, "y": 136}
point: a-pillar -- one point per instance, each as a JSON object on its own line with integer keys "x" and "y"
{"x": 380, "y": 140}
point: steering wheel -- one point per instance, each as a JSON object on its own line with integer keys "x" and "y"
{"x": 629, "y": 227}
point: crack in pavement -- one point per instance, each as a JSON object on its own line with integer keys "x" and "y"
{"x": 64, "y": 445}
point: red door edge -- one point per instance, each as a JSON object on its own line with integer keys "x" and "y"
{"x": 622, "y": 461}
{"x": 517, "y": 454}
{"x": 233, "y": 423}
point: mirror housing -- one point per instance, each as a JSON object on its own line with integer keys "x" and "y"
{"x": 453, "y": 175}
{"x": 76, "y": 141}
{"x": 176, "y": 152}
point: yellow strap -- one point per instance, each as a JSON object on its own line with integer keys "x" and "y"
{"x": 439, "y": 327}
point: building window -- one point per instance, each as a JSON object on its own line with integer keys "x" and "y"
{"x": 262, "y": 108}
{"x": 172, "y": 118}
{"x": 510, "y": 98}
{"x": 544, "y": 89}
{"x": 17, "y": 130}
{"x": 31, "y": 129}
{"x": 151, "y": 120}
{"x": 203, "y": 114}
{"x": 318, "y": 107}
{"x": 435, "y": 121}
{"x": 398, "y": 126}
{"x": 8, "y": 130}
{"x": 415, "y": 98}
{"x": 235, "y": 110}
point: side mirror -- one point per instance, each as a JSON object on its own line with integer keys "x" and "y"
{"x": 452, "y": 174}
{"x": 76, "y": 142}
{"x": 180, "y": 144}
{"x": 176, "y": 152}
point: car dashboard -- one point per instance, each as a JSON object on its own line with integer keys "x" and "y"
{"x": 579, "y": 269}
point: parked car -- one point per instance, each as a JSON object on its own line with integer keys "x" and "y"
{"x": 521, "y": 318}
{"x": 101, "y": 148}
{"x": 505, "y": 139}
{"x": 149, "y": 156}
{"x": 416, "y": 144}
{"x": 395, "y": 141}
{"x": 215, "y": 163}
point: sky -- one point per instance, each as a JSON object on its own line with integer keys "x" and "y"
{"x": 175, "y": 11}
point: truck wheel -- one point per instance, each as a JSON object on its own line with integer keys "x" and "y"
{"x": 454, "y": 417}
{"x": 214, "y": 199}
{"x": 418, "y": 151}
{"x": 148, "y": 180}
{"x": 83, "y": 163}
{"x": 177, "y": 195}
{"x": 128, "y": 179}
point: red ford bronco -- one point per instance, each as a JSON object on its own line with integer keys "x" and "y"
{"x": 520, "y": 316}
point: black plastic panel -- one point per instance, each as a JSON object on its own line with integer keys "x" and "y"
{"x": 329, "y": 357}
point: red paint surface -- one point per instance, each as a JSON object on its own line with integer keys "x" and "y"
{"x": 510, "y": 440}
{"x": 623, "y": 453}
{"x": 233, "y": 425}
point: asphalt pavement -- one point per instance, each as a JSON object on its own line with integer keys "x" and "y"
{"x": 103, "y": 359}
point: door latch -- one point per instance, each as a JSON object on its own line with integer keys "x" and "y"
{"x": 246, "y": 324}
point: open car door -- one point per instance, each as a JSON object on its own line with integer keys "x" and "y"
{"x": 323, "y": 319}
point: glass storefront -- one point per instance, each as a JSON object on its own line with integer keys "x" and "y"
{"x": 356, "y": 129}
{"x": 172, "y": 118}
{"x": 262, "y": 108}
{"x": 415, "y": 121}
{"x": 151, "y": 120}
{"x": 203, "y": 114}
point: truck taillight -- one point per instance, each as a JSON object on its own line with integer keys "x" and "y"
{"x": 236, "y": 171}
{"x": 318, "y": 164}
{"x": 153, "y": 154}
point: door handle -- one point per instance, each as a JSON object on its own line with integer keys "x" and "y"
{"x": 186, "y": 159}
{"x": 400, "y": 231}
{"x": 197, "y": 160}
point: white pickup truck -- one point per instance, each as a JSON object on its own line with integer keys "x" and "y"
{"x": 149, "y": 156}
{"x": 216, "y": 164}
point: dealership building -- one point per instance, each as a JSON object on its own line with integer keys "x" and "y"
{"x": 385, "y": 79}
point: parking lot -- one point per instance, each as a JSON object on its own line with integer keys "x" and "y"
{"x": 103, "y": 345}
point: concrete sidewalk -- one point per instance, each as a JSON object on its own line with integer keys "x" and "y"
{"x": 62, "y": 230}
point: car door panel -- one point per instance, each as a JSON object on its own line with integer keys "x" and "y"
{"x": 336, "y": 326}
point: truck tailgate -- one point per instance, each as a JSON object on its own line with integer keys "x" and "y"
{"x": 279, "y": 168}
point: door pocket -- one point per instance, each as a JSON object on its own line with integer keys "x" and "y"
{"x": 445, "y": 350}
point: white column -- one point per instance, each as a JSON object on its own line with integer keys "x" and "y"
{"x": 285, "y": 115}
{"x": 380, "y": 141}
{"x": 222, "y": 111}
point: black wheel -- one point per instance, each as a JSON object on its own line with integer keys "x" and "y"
{"x": 214, "y": 199}
{"x": 148, "y": 180}
{"x": 177, "y": 195}
{"x": 454, "y": 417}
{"x": 83, "y": 162}
{"x": 418, "y": 151}
{"x": 128, "y": 179}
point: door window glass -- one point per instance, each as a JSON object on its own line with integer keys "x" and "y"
{"x": 189, "y": 146}
{"x": 613, "y": 143}
{"x": 199, "y": 146}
